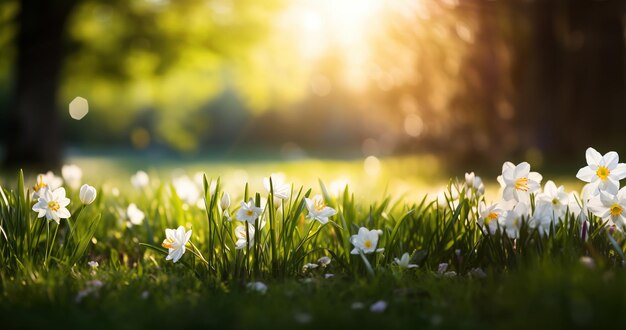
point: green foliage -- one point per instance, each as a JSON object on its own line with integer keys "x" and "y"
{"x": 28, "y": 244}
{"x": 133, "y": 271}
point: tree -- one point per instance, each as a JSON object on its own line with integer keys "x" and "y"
{"x": 34, "y": 134}
{"x": 169, "y": 57}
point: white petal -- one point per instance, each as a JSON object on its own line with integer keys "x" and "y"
{"x": 534, "y": 176}
{"x": 619, "y": 172}
{"x": 610, "y": 160}
{"x": 593, "y": 157}
{"x": 63, "y": 213}
{"x": 508, "y": 193}
{"x": 187, "y": 237}
{"x": 522, "y": 169}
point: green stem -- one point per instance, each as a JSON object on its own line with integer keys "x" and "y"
{"x": 197, "y": 253}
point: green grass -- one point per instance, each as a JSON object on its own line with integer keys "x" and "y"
{"x": 534, "y": 281}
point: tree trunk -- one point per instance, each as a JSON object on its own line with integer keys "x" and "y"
{"x": 34, "y": 132}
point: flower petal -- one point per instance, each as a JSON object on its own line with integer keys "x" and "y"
{"x": 593, "y": 157}
{"x": 610, "y": 159}
{"x": 619, "y": 172}
{"x": 586, "y": 174}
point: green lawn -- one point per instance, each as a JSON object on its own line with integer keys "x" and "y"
{"x": 491, "y": 280}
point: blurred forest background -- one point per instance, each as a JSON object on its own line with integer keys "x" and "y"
{"x": 472, "y": 81}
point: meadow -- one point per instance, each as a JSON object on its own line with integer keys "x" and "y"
{"x": 389, "y": 243}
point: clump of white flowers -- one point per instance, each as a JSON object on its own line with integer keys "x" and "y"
{"x": 600, "y": 196}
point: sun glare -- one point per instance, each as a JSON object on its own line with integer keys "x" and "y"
{"x": 346, "y": 26}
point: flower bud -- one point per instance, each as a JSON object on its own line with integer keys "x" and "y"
{"x": 225, "y": 201}
{"x": 87, "y": 194}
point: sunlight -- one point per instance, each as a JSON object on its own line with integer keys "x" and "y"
{"x": 323, "y": 26}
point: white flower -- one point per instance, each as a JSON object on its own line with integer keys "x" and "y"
{"x": 518, "y": 182}
{"x": 134, "y": 215}
{"x": 324, "y": 261}
{"x": 187, "y": 190}
{"x": 365, "y": 241}
{"x": 318, "y": 209}
{"x": 602, "y": 172}
{"x": 610, "y": 207}
{"x": 403, "y": 262}
{"x": 490, "y": 216}
{"x": 579, "y": 207}
{"x": 72, "y": 175}
{"x": 242, "y": 240}
{"x": 554, "y": 199}
{"x": 449, "y": 196}
{"x": 48, "y": 180}
{"x": 513, "y": 219}
{"x": 259, "y": 287}
{"x": 302, "y": 318}
{"x": 357, "y": 305}
{"x": 93, "y": 264}
{"x": 249, "y": 212}
{"x": 53, "y": 204}
{"x": 442, "y": 267}
{"x": 225, "y": 202}
{"x": 475, "y": 183}
{"x": 175, "y": 241}
{"x": 309, "y": 266}
{"x": 379, "y": 306}
{"x": 87, "y": 194}
{"x": 543, "y": 218}
{"x": 140, "y": 179}
{"x": 281, "y": 189}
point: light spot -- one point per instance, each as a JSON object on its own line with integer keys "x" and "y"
{"x": 79, "y": 107}
{"x": 413, "y": 125}
{"x": 320, "y": 85}
{"x": 140, "y": 138}
{"x": 371, "y": 165}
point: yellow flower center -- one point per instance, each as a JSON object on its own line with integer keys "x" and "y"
{"x": 167, "y": 243}
{"x": 319, "y": 205}
{"x": 491, "y": 216}
{"x": 521, "y": 184}
{"x": 603, "y": 173}
{"x": 54, "y": 206}
{"x": 249, "y": 213}
{"x": 40, "y": 184}
{"x": 368, "y": 244}
{"x": 616, "y": 210}
{"x": 555, "y": 202}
